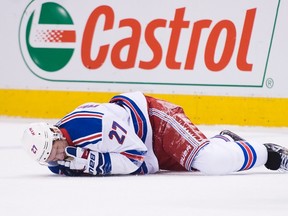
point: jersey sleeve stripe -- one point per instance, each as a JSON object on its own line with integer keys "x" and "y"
{"x": 83, "y": 141}
{"x": 133, "y": 157}
{"x": 81, "y": 115}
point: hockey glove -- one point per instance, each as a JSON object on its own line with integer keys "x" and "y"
{"x": 69, "y": 172}
{"x": 59, "y": 169}
{"x": 78, "y": 159}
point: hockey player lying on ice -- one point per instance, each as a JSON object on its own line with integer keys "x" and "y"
{"x": 138, "y": 134}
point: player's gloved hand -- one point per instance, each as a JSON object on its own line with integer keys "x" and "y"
{"x": 59, "y": 169}
{"x": 78, "y": 158}
{"x": 69, "y": 172}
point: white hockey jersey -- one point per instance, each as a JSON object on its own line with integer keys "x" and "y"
{"x": 120, "y": 131}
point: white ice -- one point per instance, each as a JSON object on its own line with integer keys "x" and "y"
{"x": 27, "y": 188}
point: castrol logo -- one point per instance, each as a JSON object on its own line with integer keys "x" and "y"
{"x": 183, "y": 43}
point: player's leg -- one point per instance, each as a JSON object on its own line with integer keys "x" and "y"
{"x": 176, "y": 137}
{"x": 228, "y": 153}
{"x": 277, "y": 155}
{"x": 224, "y": 155}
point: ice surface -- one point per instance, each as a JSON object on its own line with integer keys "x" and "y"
{"x": 29, "y": 189}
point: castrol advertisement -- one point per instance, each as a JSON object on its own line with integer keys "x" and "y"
{"x": 219, "y": 43}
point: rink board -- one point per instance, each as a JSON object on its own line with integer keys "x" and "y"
{"x": 201, "y": 109}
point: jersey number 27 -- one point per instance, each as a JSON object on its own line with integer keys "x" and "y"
{"x": 116, "y": 130}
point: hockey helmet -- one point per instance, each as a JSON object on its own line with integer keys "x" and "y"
{"x": 38, "y": 140}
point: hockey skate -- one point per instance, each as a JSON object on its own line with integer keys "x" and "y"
{"x": 234, "y": 136}
{"x": 277, "y": 157}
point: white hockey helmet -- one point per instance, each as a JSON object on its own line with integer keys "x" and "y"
{"x": 38, "y": 140}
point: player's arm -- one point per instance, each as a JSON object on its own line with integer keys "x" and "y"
{"x": 95, "y": 163}
{"x": 120, "y": 152}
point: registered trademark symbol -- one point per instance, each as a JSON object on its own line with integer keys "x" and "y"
{"x": 269, "y": 83}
